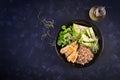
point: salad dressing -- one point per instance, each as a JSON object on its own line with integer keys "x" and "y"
{"x": 97, "y": 13}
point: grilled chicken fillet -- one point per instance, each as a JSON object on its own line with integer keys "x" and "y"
{"x": 70, "y": 52}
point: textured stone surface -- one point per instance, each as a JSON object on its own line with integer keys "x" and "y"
{"x": 24, "y": 56}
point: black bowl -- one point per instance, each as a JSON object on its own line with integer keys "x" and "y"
{"x": 97, "y": 33}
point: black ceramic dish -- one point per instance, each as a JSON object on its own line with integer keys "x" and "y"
{"x": 97, "y": 33}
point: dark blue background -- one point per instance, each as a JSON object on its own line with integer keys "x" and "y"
{"x": 24, "y": 56}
